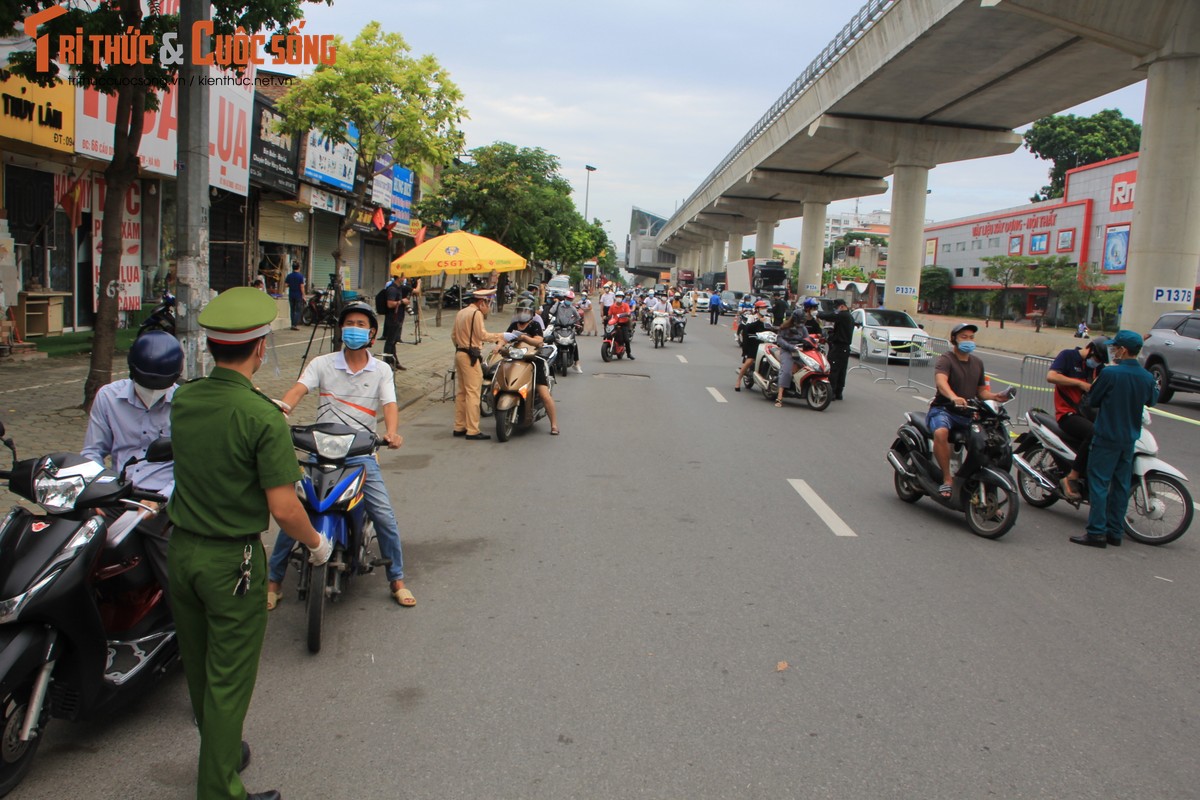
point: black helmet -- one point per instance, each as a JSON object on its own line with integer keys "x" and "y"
{"x": 155, "y": 360}
{"x": 359, "y": 307}
{"x": 1100, "y": 349}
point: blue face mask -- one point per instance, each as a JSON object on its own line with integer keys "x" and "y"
{"x": 1092, "y": 363}
{"x": 356, "y": 338}
{"x": 966, "y": 348}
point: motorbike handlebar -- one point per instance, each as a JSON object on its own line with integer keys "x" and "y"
{"x": 153, "y": 497}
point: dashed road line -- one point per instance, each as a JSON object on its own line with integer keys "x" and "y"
{"x": 716, "y": 395}
{"x": 827, "y": 514}
{"x": 682, "y": 360}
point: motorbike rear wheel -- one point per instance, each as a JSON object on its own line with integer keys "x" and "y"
{"x": 307, "y": 317}
{"x": 606, "y": 351}
{"x": 315, "y": 605}
{"x": 818, "y": 395}
{"x": 1031, "y": 491}
{"x": 993, "y": 517}
{"x": 505, "y": 422}
{"x": 658, "y": 339}
{"x": 1164, "y": 516}
{"x": 16, "y": 757}
{"x": 907, "y": 490}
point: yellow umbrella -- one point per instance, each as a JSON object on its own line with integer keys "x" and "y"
{"x": 458, "y": 253}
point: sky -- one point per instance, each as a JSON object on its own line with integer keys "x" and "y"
{"x": 654, "y": 93}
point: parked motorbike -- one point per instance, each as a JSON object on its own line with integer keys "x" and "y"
{"x": 162, "y": 317}
{"x": 84, "y": 624}
{"x": 678, "y": 325}
{"x": 331, "y": 491}
{"x": 451, "y": 297}
{"x": 518, "y": 405}
{"x": 317, "y": 309}
{"x": 613, "y": 346}
{"x": 563, "y": 339}
{"x": 980, "y": 460}
{"x": 1160, "y": 506}
{"x": 658, "y": 328}
{"x": 810, "y": 372}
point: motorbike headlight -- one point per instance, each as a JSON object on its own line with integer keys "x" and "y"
{"x": 333, "y": 445}
{"x": 57, "y": 494}
{"x": 810, "y": 362}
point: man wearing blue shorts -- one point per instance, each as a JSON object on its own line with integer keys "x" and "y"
{"x": 959, "y": 376}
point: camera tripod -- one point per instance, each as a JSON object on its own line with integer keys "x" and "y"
{"x": 328, "y": 324}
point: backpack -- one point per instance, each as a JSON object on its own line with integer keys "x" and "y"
{"x": 381, "y": 306}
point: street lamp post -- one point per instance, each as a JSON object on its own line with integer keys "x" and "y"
{"x": 587, "y": 189}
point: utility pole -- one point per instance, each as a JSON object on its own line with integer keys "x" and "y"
{"x": 191, "y": 221}
{"x": 587, "y": 191}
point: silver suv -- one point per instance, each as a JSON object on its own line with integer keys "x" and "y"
{"x": 1172, "y": 353}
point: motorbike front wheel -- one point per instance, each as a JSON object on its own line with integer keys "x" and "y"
{"x": 487, "y": 402}
{"x": 1031, "y": 491}
{"x": 315, "y": 605}
{"x": 1161, "y": 513}
{"x": 818, "y": 395}
{"x": 505, "y": 422}
{"x": 16, "y": 756}
{"x": 307, "y": 317}
{"x": 748, "y": 380}
{"x": 992, "y": 515}
{"x": 606, "y": 351}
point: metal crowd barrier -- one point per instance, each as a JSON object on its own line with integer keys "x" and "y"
{"x": 922, "y": 357}
{"x": 874, "y": 347}
{"x": 1034, "y": 391}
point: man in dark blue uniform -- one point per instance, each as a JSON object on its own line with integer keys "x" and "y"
{"x": 1119, "y": 393}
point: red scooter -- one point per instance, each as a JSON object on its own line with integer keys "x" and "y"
{"x": 614, "y": 341}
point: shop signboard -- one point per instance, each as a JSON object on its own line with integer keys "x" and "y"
{"x": 323, "y": 200}
{"x": 41, "y": 115}
{"x": 329, "y": 162}
{"x": 273, "y": 155}
{"x": 402, "y": 195}
{"x": 129, "y": 284}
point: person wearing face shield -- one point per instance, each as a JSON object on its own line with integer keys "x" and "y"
{"x": 355, "y": 389}
{"x": 1072, "y": 374}
{"x": 959, "y": 376}
{"x": 126, "y": 416}
{"x": 235, "y": 468}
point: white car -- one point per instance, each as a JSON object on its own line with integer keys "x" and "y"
{"x": 885, "y": 333}
{"x": 700, "y": 300}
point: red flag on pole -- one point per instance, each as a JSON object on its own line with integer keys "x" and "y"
{"x": 72, "y": 203}
{"x": 378, "y": 219}
{"x": 420, "y": 237}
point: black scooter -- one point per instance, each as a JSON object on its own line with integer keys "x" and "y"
{"x": 84, "y": 626}
{"x": 162, "y": 318}
{"x": 980, "y": 461}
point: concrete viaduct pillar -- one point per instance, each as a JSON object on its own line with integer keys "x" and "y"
{"x": 913, "y": 150}
{"x": 814, "y": 192}
{"x": 733, "y": 250}
{"x": 764, "y": 239}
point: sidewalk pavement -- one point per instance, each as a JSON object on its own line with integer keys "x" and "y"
{"x": 41, "y": 401}
{"x": 1016, "y": 337}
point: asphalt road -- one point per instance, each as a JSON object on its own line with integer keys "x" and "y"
{"x": 647, "y": 606}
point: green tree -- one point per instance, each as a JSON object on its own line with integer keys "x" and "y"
{"x": 1006, "y": 271}
{"x": 403, "y": 106}
{"x": 936, "y": 287}
{"x": 1108, "y": 303}
{"x": 1070, "y": 141}
{"x": 516, "y": 196}
{"x": 133, "y": 86}
{"x": 1061, "y": 279}
{"x": 748, "y": 254}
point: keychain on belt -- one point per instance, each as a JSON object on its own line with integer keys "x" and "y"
{"x": 243, "y": 583}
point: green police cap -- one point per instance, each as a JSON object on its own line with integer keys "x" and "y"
{"x": 238, "y": 315}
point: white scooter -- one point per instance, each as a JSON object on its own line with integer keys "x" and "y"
{"x": 659, "y": 327}
{"x": 1160, "y": 506}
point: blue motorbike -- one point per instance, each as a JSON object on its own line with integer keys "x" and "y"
{"x": 332, "y": 494}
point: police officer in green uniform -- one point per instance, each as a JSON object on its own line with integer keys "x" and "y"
{"x": 234, "y": 466}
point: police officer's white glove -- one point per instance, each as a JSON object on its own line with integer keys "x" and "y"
{"x": 320, "y": 554}
{"x": 511, "y": 336}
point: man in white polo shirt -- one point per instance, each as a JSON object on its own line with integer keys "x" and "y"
{"x": 354, "y": 389}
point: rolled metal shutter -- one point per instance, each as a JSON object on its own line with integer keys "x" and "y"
{"x": 277, "y": 223}
{"x": 325, "y": 241}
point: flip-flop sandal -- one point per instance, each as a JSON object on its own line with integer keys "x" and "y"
{"x": 404, "y": 597}
{"x": 554, "y": 431}
{"x": 273, "y": 599}
{"x": 779, "y": 404}
{"x": 946, "y": 490}
{"x": 1068, "y": 490}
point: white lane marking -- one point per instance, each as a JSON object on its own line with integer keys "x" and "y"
{"x": 716, "y": 395}
{"x": 818, "y": 505}
{"x": 682, "y": 360}
{"x": 1161, "y": 578}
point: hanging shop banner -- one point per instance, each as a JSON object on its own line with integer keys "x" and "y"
{"x": 273, "y": 155}
{"x": 41, "y": 115}
{"x": 230, "y": 103}
{"x": 329, "y": 162}
{"x": 402, "y": 196}
{"x": 129, "y": 285}
{"x": 320, "y": 199}
{"x": 381, "y": 182}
